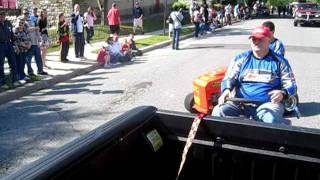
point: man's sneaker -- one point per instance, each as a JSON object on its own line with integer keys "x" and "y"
{"x": 16, "y": 84}
{"x": 42, "y": 73}
{"x": 108, "y": 66}
{"x": 24, "y": 80}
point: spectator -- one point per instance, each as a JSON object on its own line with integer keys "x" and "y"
{"x": 228, "y": 14}
{"x": 77, "y": 21}
{"x": 116, "y": 53}
{"x": 34, "y": 17}
{"x": 63, "y": 31}
{"x": 45, "y": 43}
{"x": 133, "y": 47}
{"x": 213, "y": 16}
{"x": 7, "y": 51}
{"x": 105, "y": 51}
{"x": 115, "y": 50}
{"x": 279, "y": 10}
{"x": 260, "y": 75}
{"x": 196, "y": 20}
{"x": 236, "y": 11}
{"x": 276, "y": 45}
{"x": 22, "y": 44}
{"x": 138, "y": 18}
{"x": 34, "y": 34}
{"x": 193, "y": 7}
{"x": 103, "y": 57}
{"x": 126, "y": 53}
{"x": 177, "y": 18}
{"x": 205, "y": 13}
{"x": 256, "y": 7}
{"x": 114, "y": 19}
{"x": 89, "y": 18}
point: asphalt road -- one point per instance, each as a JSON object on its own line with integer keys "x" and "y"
{"x": 34, "y": 125}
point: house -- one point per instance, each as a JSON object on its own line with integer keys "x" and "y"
{"x": 54, "y": 7}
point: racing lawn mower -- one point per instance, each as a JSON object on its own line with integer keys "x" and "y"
{"x": 206, "y": 91}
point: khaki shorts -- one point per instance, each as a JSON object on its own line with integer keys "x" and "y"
{"x": 137, "y": 23}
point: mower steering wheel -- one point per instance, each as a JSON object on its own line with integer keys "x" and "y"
{"x": 243, "y": 100}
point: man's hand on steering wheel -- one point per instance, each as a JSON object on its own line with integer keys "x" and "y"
{"x": 226, "y": 93}
{"x": 276, "y": 96}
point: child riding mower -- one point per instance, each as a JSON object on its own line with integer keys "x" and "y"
{"x": 206, "y": 91}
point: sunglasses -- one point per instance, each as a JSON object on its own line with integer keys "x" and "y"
{"x": 255, "y": 39}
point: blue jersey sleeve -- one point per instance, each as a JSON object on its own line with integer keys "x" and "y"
{"x": 288, "y": 82}
{"x": 230, "y": 79}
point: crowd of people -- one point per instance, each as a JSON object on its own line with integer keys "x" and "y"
{"x": 20, "y": 43}
{"x": 207, "y": 18}
{"x": 28, "y": 38}
{"x": 114, "y": 52}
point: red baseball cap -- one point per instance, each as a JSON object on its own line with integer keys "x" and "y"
{"x": 261, "y": 32}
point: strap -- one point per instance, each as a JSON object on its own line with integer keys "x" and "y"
{"x": 177, "y": 18}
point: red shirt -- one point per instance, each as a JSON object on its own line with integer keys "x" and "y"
{"x": 124, "y": 47}
{"x": 114, "y": 16}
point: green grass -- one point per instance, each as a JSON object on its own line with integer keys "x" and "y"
{"x": 156, "y": 39}
{"x": 186, "y": 31}
{"x": 159, "y": 38}
{"x": 151, "y": 40}
{"x": 101, "y": 32}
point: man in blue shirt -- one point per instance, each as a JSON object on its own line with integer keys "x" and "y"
{"x": 258, "y": 74}
{"x": 7, "y": 51}
{"x": 138, "y": 18}
{"x": 34, "y": 17}
{"x": 276, "y": 45}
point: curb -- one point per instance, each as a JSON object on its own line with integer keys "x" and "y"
{"x": 30, "y": 88}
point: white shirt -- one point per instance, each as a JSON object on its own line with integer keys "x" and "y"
{"x": 89, "y": 19}
{"x": 80, "y": 24}
{"x": 115, "y": 48}
{"x": 177, "y": 17}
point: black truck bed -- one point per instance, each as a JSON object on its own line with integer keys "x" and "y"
{"x": 223, "y": 149}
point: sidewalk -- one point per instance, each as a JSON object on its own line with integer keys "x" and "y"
{"x": 60, "y": 72}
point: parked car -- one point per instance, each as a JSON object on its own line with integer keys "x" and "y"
{"x": 306, "y": 13}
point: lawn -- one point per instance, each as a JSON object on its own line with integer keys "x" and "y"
{"x": 101, "y": 32}
{"x": 159, "y": 38}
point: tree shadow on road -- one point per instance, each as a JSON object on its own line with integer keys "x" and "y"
{"x": 233, "y": 32}
{"x": 309, "y": 109}
{"x": 33, "y": 128}
{"x": 201, "y": 47}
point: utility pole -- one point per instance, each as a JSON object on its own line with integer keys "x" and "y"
{"x": 164, "y": 17}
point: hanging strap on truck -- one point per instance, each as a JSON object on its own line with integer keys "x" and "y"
{"x": 192, "y": 134}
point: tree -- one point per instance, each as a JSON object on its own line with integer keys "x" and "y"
{"x": 101, "y": 8}
{"x": 279, "y": 2}
{"x": 316, "y": 1}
